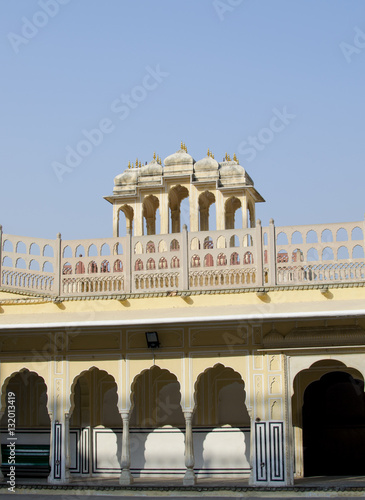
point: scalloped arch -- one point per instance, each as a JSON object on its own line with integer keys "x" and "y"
{"x": 134, "y": 381}
{"x": 14, "y": 374}
{"x": 212, "y": 367}
{"x": 71, "y": 400}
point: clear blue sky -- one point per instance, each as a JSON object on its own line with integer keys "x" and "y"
{"x": 225, "y": 66}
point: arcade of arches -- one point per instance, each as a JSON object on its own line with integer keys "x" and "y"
{"x": 156, "y": 422}
{"x": 148, "y": 434}
{"x": 160, "y": 219}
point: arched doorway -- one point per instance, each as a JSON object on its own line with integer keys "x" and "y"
{"x": 156, "y": 425}
{"x": 32, "y": 424}
{"x": 95, "y": 424}
{"x": 328, "y": 415}
{"x": 221, "y": 424}
{"x": 334, "y": 426}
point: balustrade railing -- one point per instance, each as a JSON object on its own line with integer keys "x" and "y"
{"x": 234, "y": 258}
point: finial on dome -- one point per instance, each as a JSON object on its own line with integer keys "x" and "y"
{"x": 129, "y": 164}
{"x": 208, "y": 154}
{"x": 154, "y": 155}
{"x": 182, "y": 145}
{"x": 235, "y": 158}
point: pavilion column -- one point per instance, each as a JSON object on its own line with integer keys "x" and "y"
{"x": 116, "y": 215}
{"x": 151, "y": 223}
{"x": 189, "y": 477}
{"x": 175, "y": 220}
{"x": 204, "y": 219}
{"x": 125, "y": 476}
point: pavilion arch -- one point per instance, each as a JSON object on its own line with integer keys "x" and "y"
{"x": 128, "y": 213}
{"x": 36, "y": 389}
{"x": 149, "y": 209}
{"x": 176, "y": 195}
{"x": 156, "y": 399}
{"x": 304, "y": 377}
{"x": 205, "y": 201}
{"x": 230, "y": 208}
{"x": 220, "y": 398}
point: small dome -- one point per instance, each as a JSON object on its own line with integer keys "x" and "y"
{"x": 207, "y": 163}
{"x": 179, "y": 158}
{"x": 152, "y": 168}
{"x": 129, "y": 176}
{"x": 232, "y": 169}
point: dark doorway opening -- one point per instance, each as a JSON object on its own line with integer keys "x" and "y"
{"x": 334, "y": 426}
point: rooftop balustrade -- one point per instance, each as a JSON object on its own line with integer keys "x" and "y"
{"x": 320, "y": 254}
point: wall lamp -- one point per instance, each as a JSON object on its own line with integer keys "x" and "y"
{"x": 152, "y": 340}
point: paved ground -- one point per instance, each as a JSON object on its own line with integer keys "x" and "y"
{"x": 108, "y": 489}
{"x": 65, "y": 496}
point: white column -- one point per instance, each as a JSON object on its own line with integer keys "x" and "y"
{"x": 125, "y": 476}
{"x": 58, "y": 450}
{"x": 260, "y": 280}
{"x": 272, "y": 253}
{"x": 189, "y": 477}
{"x": 115, "y": 221}
{"x": 194, "y": 209}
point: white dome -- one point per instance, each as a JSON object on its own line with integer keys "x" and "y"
{"x": 232, "y": 169}
{"x": 207, "y": 163}
{"x": 179, "y": 158}
{"x": 152, "y": 168}
{"x": 129, "y": 176}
